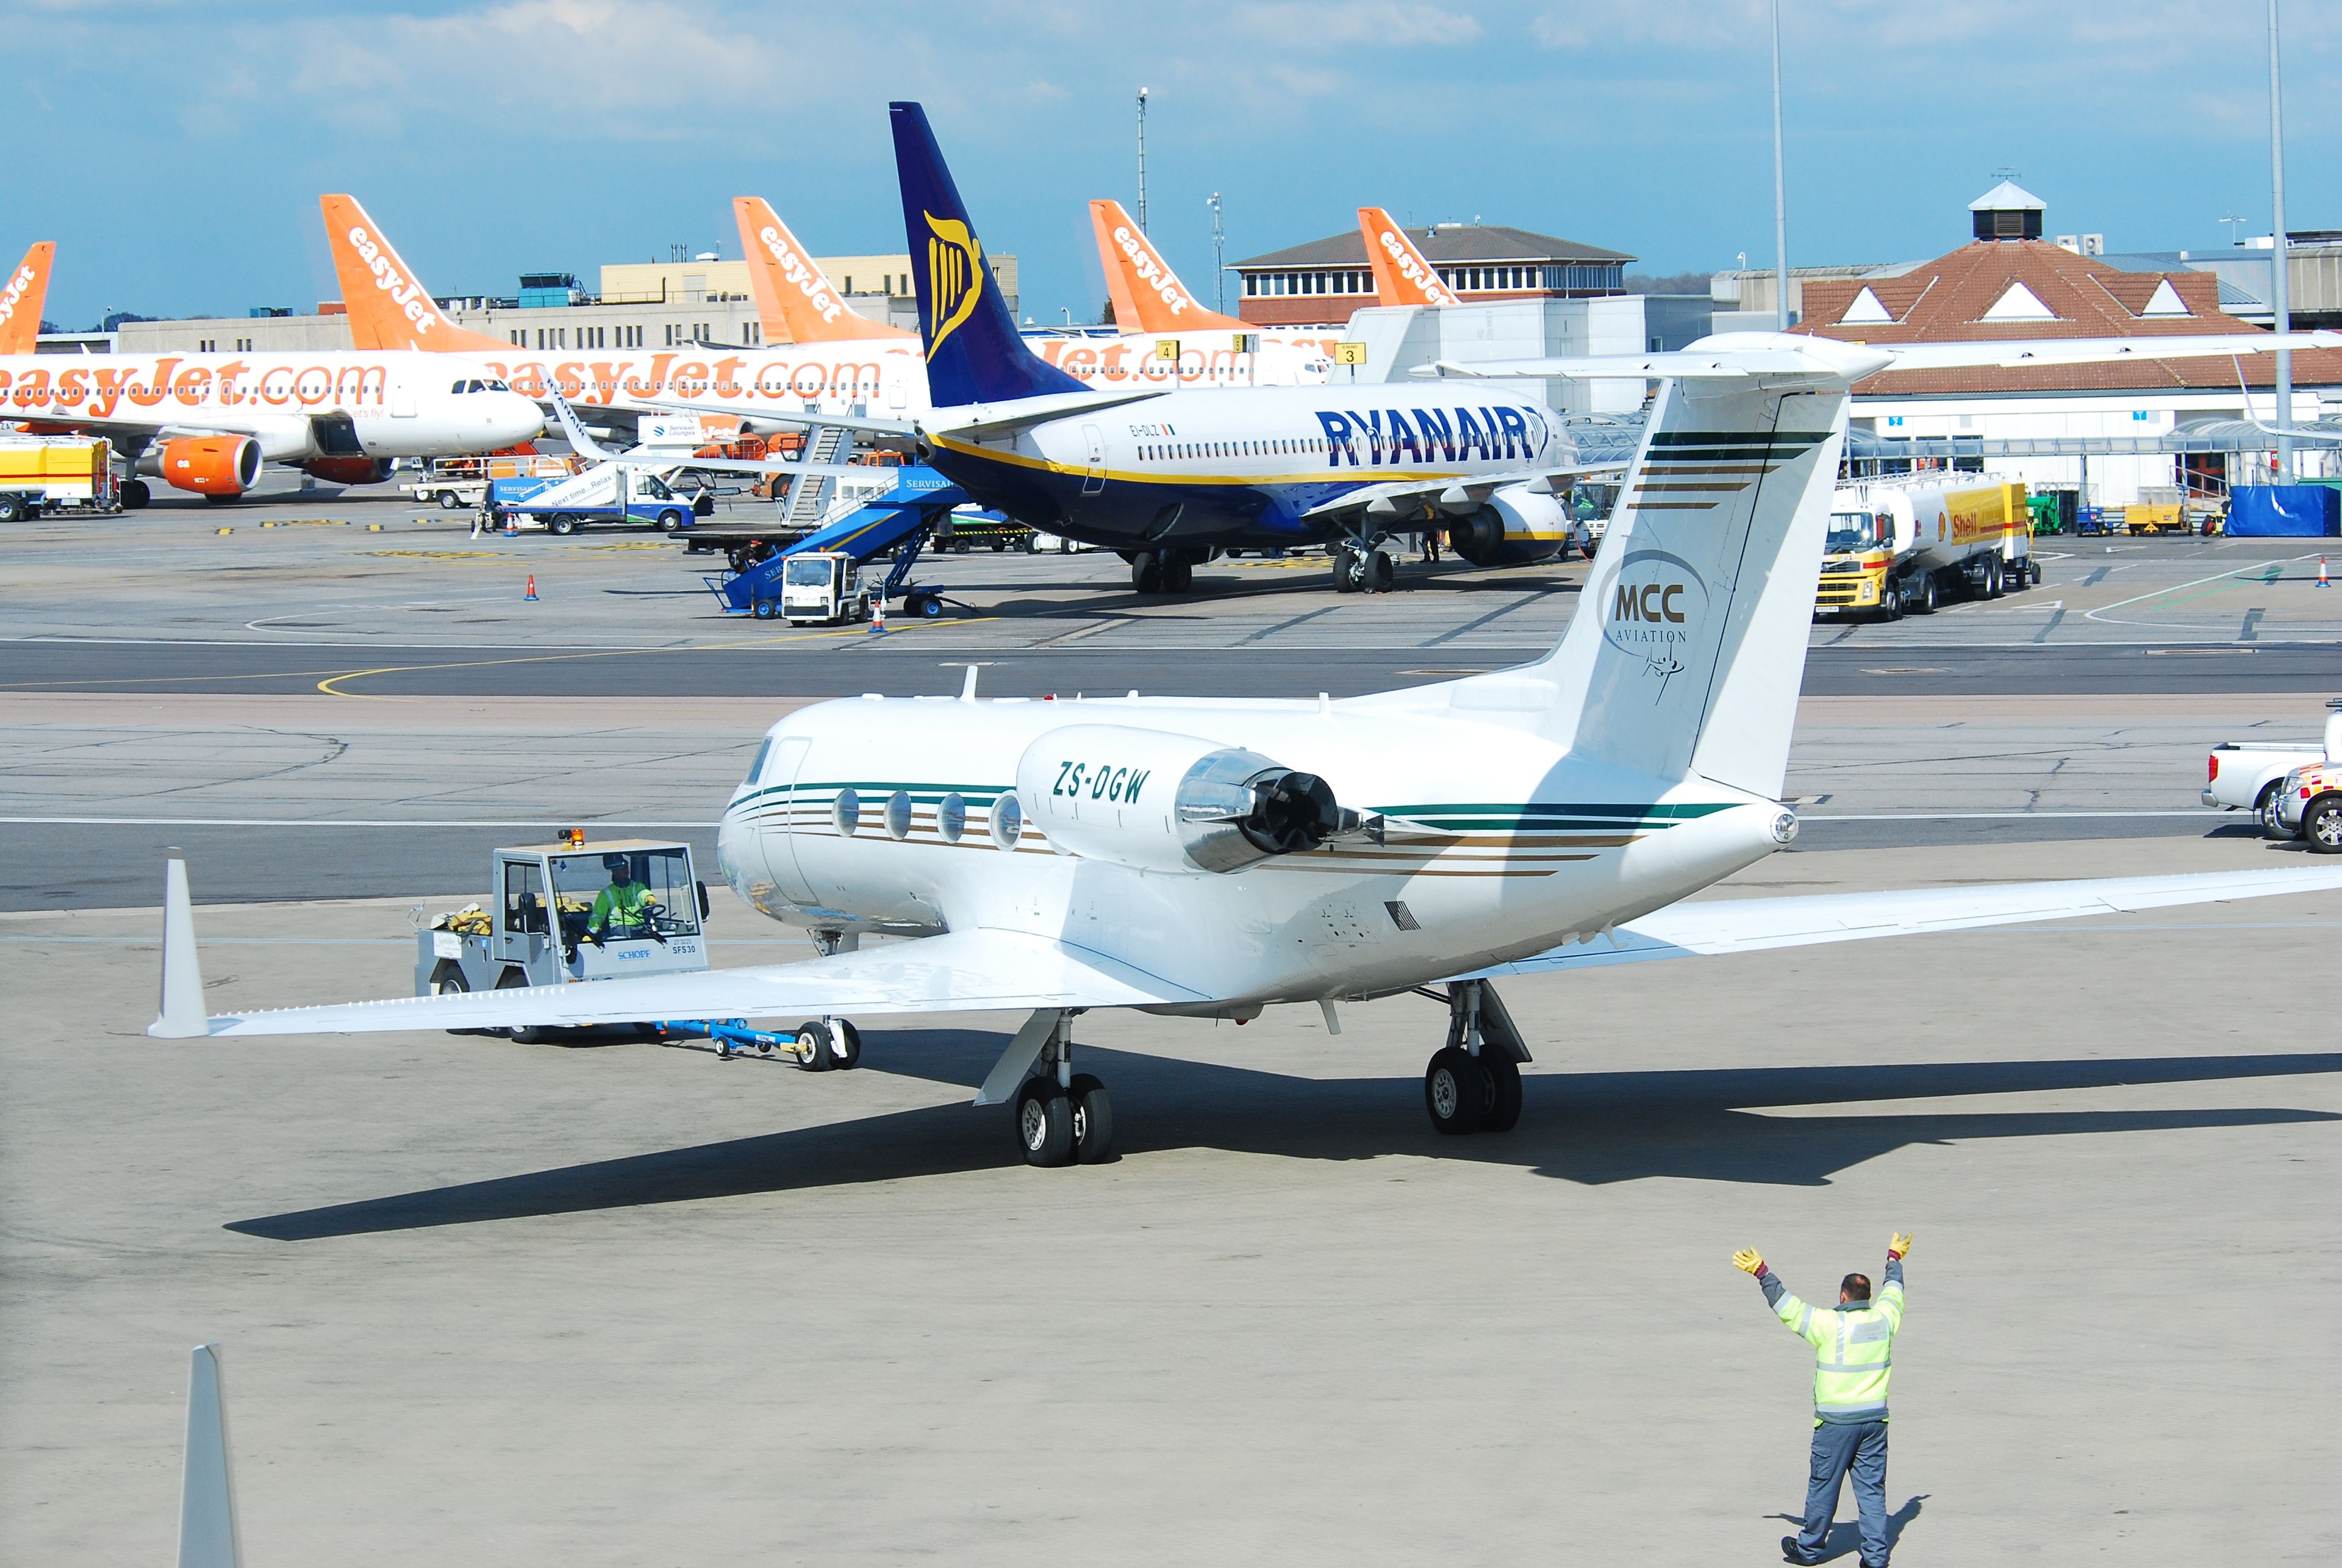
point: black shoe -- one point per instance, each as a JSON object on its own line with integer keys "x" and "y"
{"x": 1790, "y": 1552}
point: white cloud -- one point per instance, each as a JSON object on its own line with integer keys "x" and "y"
{"x": 1314, "y": 27}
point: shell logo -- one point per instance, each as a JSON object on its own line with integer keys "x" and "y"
{"x": 807, "y": 279}
{"x": 14, "y": 292}
{"x": 1148, "y": 269}
{"x": 405, "y": 296}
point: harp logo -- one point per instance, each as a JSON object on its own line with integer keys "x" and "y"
{"x": 955, "y": 278}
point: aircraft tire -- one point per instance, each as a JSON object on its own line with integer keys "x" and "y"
{"x": 1092, "y": 1119}
{"x": 815, "y": 1050}
{"x": 1045, "y": 1123}
{"x": 1504, "y": 1113}
{"x": 1147, "y": 573}
{"x": 849, "y": 1046}
{"x": 133, "y": 494}
{"x": 1378, "y": 574}
{"x": 1456, "y": 1092}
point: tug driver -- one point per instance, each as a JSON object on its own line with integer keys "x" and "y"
{"x": 624, "y": 907}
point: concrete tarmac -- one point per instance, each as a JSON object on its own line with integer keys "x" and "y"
{"x": 484, "y": 1302}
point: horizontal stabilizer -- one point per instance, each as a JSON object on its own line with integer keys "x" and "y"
{"x": 1710, "y": 927}
{"x": 1782, "y": 359}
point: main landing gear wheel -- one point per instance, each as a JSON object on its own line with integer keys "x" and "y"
{"x": 1350, "y": 569}
{"x": 1504, "y": 1113}
{"x": 1147, "y": 573}
{"x": 1380, "y": 574}
{"x": 1457, "y": 1089}
{"x": 1092, "y": 1119}
{"x": 1045, "y": 1123}
{"x": 133, "y": 494}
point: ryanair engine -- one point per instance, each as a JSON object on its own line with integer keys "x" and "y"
{"x": 1157, "y": 802}
{"x": 1515, "y": 526}
{"x": 219, "y": 466}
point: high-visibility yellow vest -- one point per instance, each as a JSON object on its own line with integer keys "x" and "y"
{"x": 620, "y": 904}
{"x": 1854, "y": 1351}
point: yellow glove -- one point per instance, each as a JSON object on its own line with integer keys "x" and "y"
{"x": 1900, "y": 1247}
{"x": 1748, "y": 1261}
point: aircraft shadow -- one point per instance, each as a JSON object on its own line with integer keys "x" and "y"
{"x": 1589, "y": 1129}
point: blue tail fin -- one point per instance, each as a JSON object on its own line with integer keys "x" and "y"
{"x": 974, "y": 355}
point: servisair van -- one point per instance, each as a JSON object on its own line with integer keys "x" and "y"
{"x": 1897, "y": 545}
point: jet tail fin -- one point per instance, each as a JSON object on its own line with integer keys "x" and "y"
{"x": 388, "y": 306}
{"x": 1402, "y": 275}
{"x": 22, "y": 295}
{"x": 796, "y": 300}
{"x": 974, "y": 355}
{"x": 1688, "y": 648}
{"x": 1147, "y": 295}
{"x": 207, "y": 1533}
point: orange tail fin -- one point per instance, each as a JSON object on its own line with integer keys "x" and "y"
{"x": 1402, "y": 275}
{"x": 388, "y": 303}
{"x": 795, "y": 299}
{"x": 1147, "y": 295}
{"x": 22, "y": 295}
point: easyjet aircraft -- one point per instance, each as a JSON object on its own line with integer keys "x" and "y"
{"x": 885, "y": 374}
{"x": 21, "y": 298}
{"x": 796, "y": 301}
{"x": 1402, "y": 275}
{"x": 1149, "y": 296}
{"x": 205, "y": 423}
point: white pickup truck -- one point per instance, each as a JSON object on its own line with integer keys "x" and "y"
{"x": 2248, "y": 778}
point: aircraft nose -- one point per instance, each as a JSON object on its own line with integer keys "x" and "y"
{"x": 514, "y": 419}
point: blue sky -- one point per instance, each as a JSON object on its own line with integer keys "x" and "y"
{"x": 175, "y": 150}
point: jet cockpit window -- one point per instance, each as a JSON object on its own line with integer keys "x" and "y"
{"x": 493, "y": 385}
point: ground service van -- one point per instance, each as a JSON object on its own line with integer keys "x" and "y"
{"x": 48, "y": 473}
{"x": 1909, "y": 544}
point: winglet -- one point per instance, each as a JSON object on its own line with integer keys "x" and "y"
{"x": 22, "y": 295}
{"x": 208, "y": 1533}
{"x": 796, "y": 300}
{"x": 1147, "y": 295}
{"x": 182, "y": 1017}
{"x": 974, "y": 355}
{"x": 388, "y": 307}
{"x": 584, "y": 445}
{"x": 1402, "y": 275}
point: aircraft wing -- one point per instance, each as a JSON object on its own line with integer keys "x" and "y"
{"x": 763, "y": 414}
{"x": 1462, "y": 493}
{"x": 1713, "y": 926}
{"x": 960, "y": 971}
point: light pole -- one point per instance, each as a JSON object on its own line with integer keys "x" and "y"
{"x": 2277, "y": 266}
{"x": 1220, "y": 259}
{"x": 1142, "y": 160}
{"x": 1780, "y": 199}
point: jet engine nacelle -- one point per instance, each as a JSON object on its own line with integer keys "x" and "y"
{"x": 1158, "y": 801}
{"x": 349, "y": 470}
{"x": 221, "y": 466}
{"x": 1515, "y": 526}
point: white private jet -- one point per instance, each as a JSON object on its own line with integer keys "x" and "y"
{"x": 1208, "y": 859}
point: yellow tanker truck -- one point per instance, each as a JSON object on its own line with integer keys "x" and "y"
{"x": 1909, "y": 544}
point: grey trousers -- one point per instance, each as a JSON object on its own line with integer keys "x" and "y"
{"x": 1838, "y": 1448}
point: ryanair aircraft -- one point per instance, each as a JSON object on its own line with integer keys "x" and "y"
{"x": 1169, "y": 477}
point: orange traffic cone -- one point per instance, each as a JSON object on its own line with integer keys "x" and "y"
{"x": 878, "y": 616}
{"x": 2321, "y": 571}
{"x": 531, "y": 587}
